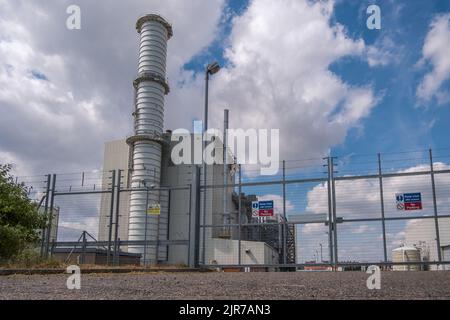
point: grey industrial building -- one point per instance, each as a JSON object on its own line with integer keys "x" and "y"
{"x": 220, "y": 243}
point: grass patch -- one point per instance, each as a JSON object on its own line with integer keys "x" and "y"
{"x": 30, "y": 258}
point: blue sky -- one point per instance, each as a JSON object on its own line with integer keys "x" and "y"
{"x": 397, "y": 124}
{"x": 215, "y": 50}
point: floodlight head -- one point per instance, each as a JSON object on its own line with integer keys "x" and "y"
{"x": 213, "y": 68}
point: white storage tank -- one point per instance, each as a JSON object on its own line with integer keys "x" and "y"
{"x": 406, "y": 254}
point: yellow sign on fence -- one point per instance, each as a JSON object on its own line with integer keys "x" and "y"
{"x": 154, "y": 209}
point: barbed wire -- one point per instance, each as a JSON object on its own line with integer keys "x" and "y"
{"x": 302, "y": 167}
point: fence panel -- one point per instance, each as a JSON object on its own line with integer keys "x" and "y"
{"x": 442, "y": 181}
{"x": 358, "y": 199}
{"x": 361, "y": 221}
{"x": 420, "y": 233}
{"x": 360, "y": 242}
{"x": 91, "y": 220}
{"x": 394, "y": 186}
{"x": 312, "y": 243}
{"x": 78, "y": 213}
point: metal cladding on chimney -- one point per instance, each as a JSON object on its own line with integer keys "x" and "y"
{"x": 150, "y": 88}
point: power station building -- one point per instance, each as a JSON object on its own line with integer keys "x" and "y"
{"x": 180, "y": 223}
{"x": 150, "y": 178}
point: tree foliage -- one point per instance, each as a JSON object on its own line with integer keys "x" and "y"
{"x": 19, "y": 216}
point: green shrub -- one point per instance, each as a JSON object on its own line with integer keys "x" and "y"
{"x": 19, "y": 217}
{"x": 28, "y": 257}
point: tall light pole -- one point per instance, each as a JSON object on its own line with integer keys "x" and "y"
{"x": 211, "y": 69}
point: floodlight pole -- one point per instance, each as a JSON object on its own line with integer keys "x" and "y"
{"x": 212, "y": 68}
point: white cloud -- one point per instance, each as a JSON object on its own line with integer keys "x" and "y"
{"x": 362, "y": 229}
{"x": 384, "y": 52}
{"x": 279, "y": 76}
{"x": 61, "y": 124}
{"x": 277, "y": 203}
{"x": 89, "y": 224}
{"x": 435, "y": 51}
{"x": 360, "y": 198}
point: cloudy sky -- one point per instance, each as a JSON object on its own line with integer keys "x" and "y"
{"x": 312, "y": 69}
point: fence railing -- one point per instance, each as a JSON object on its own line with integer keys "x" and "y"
{"x": 383, "y": 214}
{"x": 101, "y": 211}
{"x": 391, "y": 210}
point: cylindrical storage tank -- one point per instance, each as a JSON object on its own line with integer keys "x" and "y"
{"x": 406, "y": 254}
{"x": 150, "y": 86}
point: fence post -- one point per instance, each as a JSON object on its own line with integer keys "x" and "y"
{"x": 111, "y": 213}
{"x": 50, "y": 216}
{"x": 436, "y": 220}
{"x": 333, "y": 190}
{"x": 116, "y": 225}
{"x": 45, "y": 228}
{"x": 383, "y": 222}
{"x": 197, "y": 219}
{"x": 204, "y": 213}
{"x": 189, "y": 224}
{"x": 158, "y": 223}
{"x": 83, "y": 249}
{"x": 330, "y": 215}
{"x": 169, "y": 196}
{"x": 52, "y": 248}
{"x": 239, "y": 216}
{"x": 284, "y": 225}
{"x": 145, "y": 230}
{"x": 118, "y": 250}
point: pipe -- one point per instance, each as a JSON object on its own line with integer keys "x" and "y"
{"x": 151, "y": 87}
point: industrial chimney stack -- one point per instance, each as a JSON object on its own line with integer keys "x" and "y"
{"x": 150, "y": 88}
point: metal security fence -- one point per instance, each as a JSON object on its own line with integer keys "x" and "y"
{"x": 90, "y": 220}
{"x": 334, "y": 214}
{"x": 391, "y": 210}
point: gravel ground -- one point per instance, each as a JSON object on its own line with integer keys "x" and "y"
{"x": 295, "y": 285}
